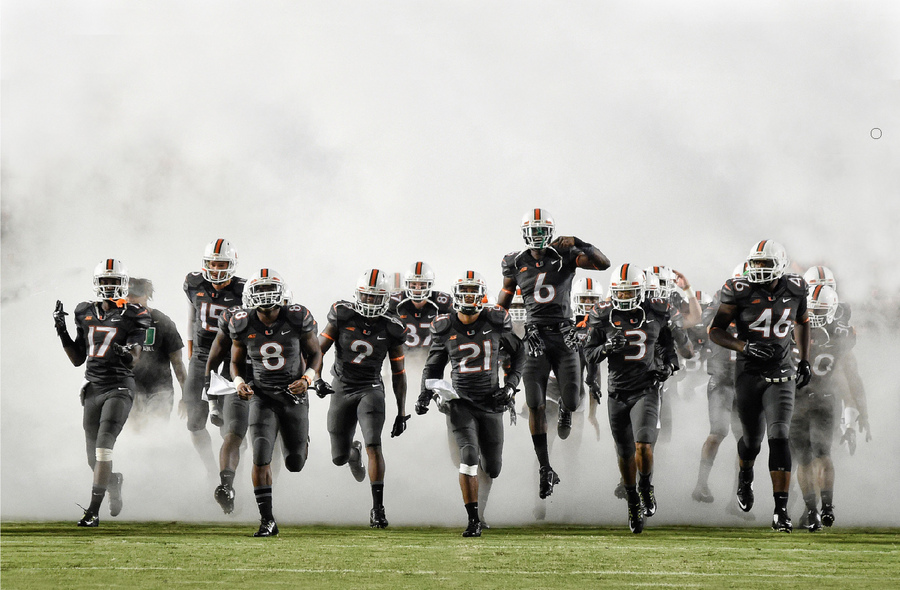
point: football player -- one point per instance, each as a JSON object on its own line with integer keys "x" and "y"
{"x": 816, "y": 406}
{"x": 417, "y": 304}
{"x": 108, "y": 338}
{"x": 471, "y": 339}
{"x": 363, "y": 332}
{"x": 544, "y": 271}
{"x": 633, "y": 335}
{"x": 209, "y": 292}
{"x": 286, "y": 361}
{"x": 765, "y": 306}
{"x": 586, "y": 293}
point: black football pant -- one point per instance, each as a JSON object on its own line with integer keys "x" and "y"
{"x": 565, "y": 364}
{"x": 765, "y": 409}
{"x": 812, "y": 427}
{"x": 105, "y": 412}
{"x": 269, "y": 416}
{"x": 722, "y": 409}
{"x": 633, "y": 417}
{"x": 479, "y": 436}
{"x": 349, "y": 406}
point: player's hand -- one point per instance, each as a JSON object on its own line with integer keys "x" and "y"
{"x": 298, "y": 388}
{"x": 182, "y": 409}
{"x": 513, "y": 418}
{"x": 762, "y": 351}
{"x": 617, "y": 343}
{"x": 504, "y": 396}
{"x": 804, "y": 374}
{"x": 206, "y": 384}
{"x": 574, "y": 338}
{"x": 863, "y": 423}
{"x": 59, "y": 318}
{"x": 123, "y": 352}
{"x": 423, "y": 401}
{"x": 534, "y": 341}
{"x": 323, "y": 388}
{"x": 244, "y": 391}
{"x": 563, "y": 242}
{"x": 592, "y": 418}
{"x": 596, "y": 392}
{"x": 664, "y": 372}
{"x": 399, "y": 425}
{"x": 681, "y": 281}
{"x": 849, "y": 438}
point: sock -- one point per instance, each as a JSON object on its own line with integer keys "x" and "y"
{"x": 540, "y": 449}
{"x": 827, "y": 497}
{"x": 472, "y": 510}
{"x": 703, "y": 477}
{"x": 810, "y": 501}
{"x": 97, "y": 493}
{"x": 227, "y": 477}
{"x": 631, "y": 492}
{"x": 264, "y": 501}
{"x": 781, "y": 501}
{"x": 377, "y": 494}
{"x": 646, "y": 479}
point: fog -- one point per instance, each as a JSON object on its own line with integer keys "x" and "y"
{"x": 324, "y": 138}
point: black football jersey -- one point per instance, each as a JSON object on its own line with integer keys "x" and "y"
{"x": 650, "y": 343}
{"x": 275, "y": 350}
{"x": 546, "y": 284}
{"x": 208, "y": 304}
{"x": 473, "y": 351}
{"x": 361, "y": 344}
{"x": 764, "y": 316}
{"x": 418, "y": 321}
{"x": 827, "y": 345}
{"x": 720, "y": 360}
{"x": 124, "y": 324}
{"x": 152, "y": 370}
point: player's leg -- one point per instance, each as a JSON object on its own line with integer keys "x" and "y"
{"x": 802, "y": 457}
{"x": 720, "y": 399}
{"x": 263, "y": 430}
{"x": 823, "y": 420}
{"x": 748, "y": 401}
{"x": 342, "y": 420}
{"x": 198, "y": 412}
{"x": 115, "y": 407}
{"x": 490, "y": 443}
{"x": 534, "y": 378}
{"x": 778, "y": 404}
{"x": 236, "y": 413}
{"x": 90, "y": 421}
{"x": 370, "y": 414}
{"x": 465, "y": 430}
{"x": 620, "y": 426}
{"x": 566, "y": 365}
{"x": 645, "y": 424}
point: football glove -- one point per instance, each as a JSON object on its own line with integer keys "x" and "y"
{"x": 59, "y": 319}
{"x": 323, "y": 388}
{"x": 617, "y": 343}
{"x": 399, "y": 425}
{"x": 423, "y": 401}
{"x": 596, "y": 392}
{"x": 574, "y": 338}
{"x": 534, "y": 341}
{"x": 664, "y": 372}
{"x": 804, "y": 374}
{"x": 123, "y": 352}
{"x": 504, "y": 396}
{"x": 762, "y": 351}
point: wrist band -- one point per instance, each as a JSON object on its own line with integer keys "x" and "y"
{"x": 238, "y": 381}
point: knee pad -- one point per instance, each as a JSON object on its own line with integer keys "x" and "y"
{"x": 468, "y": 455}
{"x": 471, "y": 470}
{"x": 103, "y": 454}
{"x": 294, "y": 463}
{"x": 779, "y": 454}
{"x": 745, "y": 452}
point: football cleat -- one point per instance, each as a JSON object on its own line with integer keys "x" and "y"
{"x": 215, "y": 417}
{"x": 377, "y": 519}
{"x": 484, "y": 525}
{"x": 648, "y": 499}
{"x": 619, "y": 492}
{"x": 745, "y": 492}
{"x": 89, "y": 519}
{"x": 781, "y": 522}
{"x": 267, "y": 528}
{"x": 813, "y": 521}
{"x": 636, "y": 516}
{"x": 114, "y": 489}
{"x": 827, "y": 514}
{"x": 702, "y": 494}
{"x": 733, "y": 510}
{"x": 356, "y": 467}
{"x": 548, "y": 480}
{"x": 564, "y": 424}
{"x": 224, "y": 495}
{"x": 473, "y": 530}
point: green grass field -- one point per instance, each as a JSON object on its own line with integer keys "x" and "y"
{"x": 180, "y": 555}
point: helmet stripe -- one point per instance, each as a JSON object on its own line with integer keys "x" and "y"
{"x": 470, "y": 274}
{"x": 219, "y": 243}
{"x": 816, "y": 291}
{"x": 821, "y": 272}
{"x": 624, "y": 274}
{"x": 419, "y": 268}
{"x": 537, "y": 214}
{"x": 761, "y": 246}
{"x": 110, "y": 264}
{"x": 264, "y": 273}
{"x": 373, "y": 277}
{"x": 590, "y": 284}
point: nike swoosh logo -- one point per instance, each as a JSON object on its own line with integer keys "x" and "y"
{"x": 487, "y": 331}
{"x": 285, "y": 332}
{"x": 784, "y": 370}
{"x": 380, "y": 338}
{"x": 785, "y": 299}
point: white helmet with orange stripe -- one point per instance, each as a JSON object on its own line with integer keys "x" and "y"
{"x": 111, "y": 279}
{"x": 822, "y": 302}
{"x": 265, "y": 289}
{"x": 517, "y": 311}
{"x": 586, "y": 293}
{"x": 537, "y": 228}
{"x": 373, "y": 293}
{"x": 417, "y": 281}
{"x": 766, "y": 262}
{"x": 626, "y": 287}
{"x": 219, "y": 261}
{"x": 820, "y": 275}
{"x": 469, "y": 292}
{"x": 740, "y": 270}
{"x": 652, "y": 288}
{"x": 666, "y": 278}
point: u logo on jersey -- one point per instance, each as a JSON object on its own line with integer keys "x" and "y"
{"x": 150, "y": 338}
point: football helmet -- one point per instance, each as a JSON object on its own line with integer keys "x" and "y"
{"x": 740, "y": 270}
{"x": 626, "y": 288}
{"x": 820, "y": 275}
{"x": 265, "y": 289}
{"x": 417, "y": 281}
{"x": 666, "y": 277}
{"x": 373, "y": 293}
{"x": 469, "y": 293}
{"x": 116, "y": 285}
{"x": 822, "y": 302}
{"x": 287, "y": 297}
{"x": 586, "y": 293}
{"x": 219, "y": 250}
{"x": 652, "y": 289}
{"x": 517, "y": 311}
{"x": 703, "y": 298}
{"x": 537, "y": 228}
{"x": 766, "y": 262}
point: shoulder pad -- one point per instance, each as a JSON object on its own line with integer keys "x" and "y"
{"x": 193, "y": 279}
{"x": 237, "y": 285}
{"x": 736, "y": 289}
{"x": 508, "y": 264}
{"x": 83, "y": 308}
{"x": 441, "y": 324}
{"x": 341, "y": 311}
{"x": 442, "y": 300}
{"x": 300, "y": 317}
{"x": 599, "y": 311}
{"x": 240, "y": 321}
{"x": 395, "y": 327}
{"x": 498, "y": 316}
{"x": 795, "y": 284}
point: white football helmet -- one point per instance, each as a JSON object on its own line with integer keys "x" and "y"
{"x": 703, "y": 298}
{"x": 219, "y": 250}
{"x": 537, "y": 228}
{"x": 820, "y": 275}
{"x": 666, "y": 277}
{"x": 265, "y": 289}
{"x": 469, "y": 293}
{"x": 111, "y": 279}
{"x": 517, "y": 311}
{"x": 586, "y": 293}
{"x": 766, "y": 262}
{"x": 652, "y": 289}
{"x": 626, "y": 288}
{"x": 373, "y": 293}
{"x": 287, "y": 297}
{"x": 417, "y": 281}
{"x": 822, "y": 302}
{"x": 740, "y": 270}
